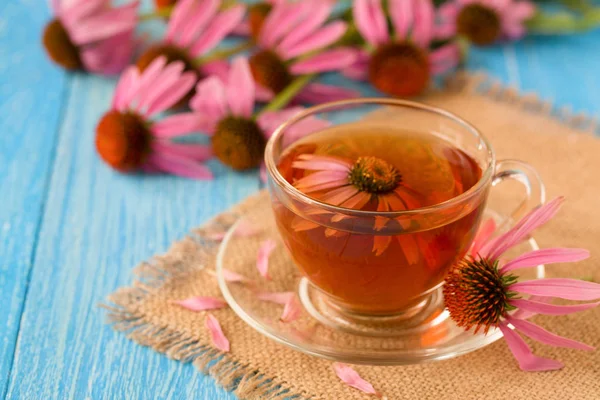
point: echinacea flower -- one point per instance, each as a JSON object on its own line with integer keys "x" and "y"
{"x": 354, "y": 183}
{"x": 402, "y": 62}
{"x": 227, "y": 110}
{"x": 480, "y": 291}
{"x": 92, "y": 35}
{"x": 194, "y": 29}
{"x": 484, "y": 22}
{"x": 293, "y": 41}
{"x": 129, "y": 139}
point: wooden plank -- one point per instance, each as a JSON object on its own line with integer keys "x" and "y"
{"x": 31, "y": 95}
{"x": 97, "y": 225}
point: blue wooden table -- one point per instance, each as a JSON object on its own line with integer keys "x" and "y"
{"x": 71, "y": 229}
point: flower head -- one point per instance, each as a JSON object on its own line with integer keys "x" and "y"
{"x": 129, "y": 139}
{"x": 226, "y": 106}
{"x": 194, "y": 29}
{"x": 354, "y": 184}
{"x": 484, "y": 22}
{"x": 481, "y": 291}
{"x": 91, "y": 34}
{"x": 293, "y": 39}
{"x": 400, "y": 63}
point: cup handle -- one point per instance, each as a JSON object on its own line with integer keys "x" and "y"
{"x": 528, "y": 177}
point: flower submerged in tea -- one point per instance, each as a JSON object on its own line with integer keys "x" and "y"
{"x": 481, "y": 291}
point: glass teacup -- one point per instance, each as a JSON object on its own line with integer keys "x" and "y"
{"x": 376, "y": 264}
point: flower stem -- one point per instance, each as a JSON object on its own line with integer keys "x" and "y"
{"x": 564, "y": 22}
{"x": 284, "y": 97}
{"x": 164, "y": 12}
{"x": 221, "y": 54}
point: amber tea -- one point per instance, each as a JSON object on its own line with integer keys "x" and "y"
{"x": 380, "y": 169}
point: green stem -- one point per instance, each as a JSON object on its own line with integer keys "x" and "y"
{"x": 164, "y": 12}
{"x": 284, "y": 97}
{"x": 221, "y": 54}
{"x": 564, "y": 22}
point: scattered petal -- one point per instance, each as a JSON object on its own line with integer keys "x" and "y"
{"x": 244, "y": 229}
{"x": 292, "y": 309}
{"x": 216, "y": 333}
{"x": 262, "y": 259}
{"x": 202, "y": 303}
{"x": 526, "y": 359}
{"x": 276, "y": 297}
{"x": 351, "y": 378}
{"x": 230, "y": 276}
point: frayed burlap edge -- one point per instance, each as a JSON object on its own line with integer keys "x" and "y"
{"x": 244, "y": 381}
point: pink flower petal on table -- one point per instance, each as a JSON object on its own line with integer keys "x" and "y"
{"x": 202, "y": 303}
{"x": 216, "y": 333}
{"x": 322, "y": 38}
{"x": 220, "y": 26}
{"x": 522, "y": 353}
{"x": 484, "y": 233}
{"x": 276, "y": 297}
{"x": 329, "y": 60}
{"x": 262, "y": 259}
{"x": 230, "y": 276}
{"x": 537, "y": 307}
{"x": 244, "y": 229}
{"x": 240, "y": 88}
{"x": 291, "y": 309}
{"x": 564, "y": 288}
{"x": 351, "y": 378}
{"x": 541, "y": 335}
{"x": 545, "y": 256}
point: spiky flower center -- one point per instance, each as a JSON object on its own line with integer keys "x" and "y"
{"x": 239, "y": 142}
{"x": 270, "y": 71}
{"x": 479, "y": 23}
{"x": 399, "y": 69}
{"x": 59, "y": 46}
{"x": 123, "y": 140}
{"x": 256, "y": 17}
{"x": 476, "y": 294}
{"x": 374, "y": 175}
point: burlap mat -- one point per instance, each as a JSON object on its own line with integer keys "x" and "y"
{"x": 520, "y": 127}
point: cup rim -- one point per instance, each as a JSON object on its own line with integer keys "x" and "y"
{"x": 274, "y": 173}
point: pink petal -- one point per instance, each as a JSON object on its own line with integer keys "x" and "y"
{"x": 210, "y": 99}
{"x": 240, "y": 88}
{"x": 338, "y": 196}
{"x": 315, "y": 93}
{"x": 218, "y": 68}
{"x": 321, "y": 177}
{"x": 522, "y": 313}
{"x": 536, "y": 218}
{"x": 74, "y": 11}
{"x": 194, "y": 23}
{"x": 329, "y": 60}
{"x": 409, "y": 248}
{"x": 401, "y": 14}
{"x": 513, "y": 30}
{"x": 359, "y": 70}
{"x": 180, "y": 124}
{"x": 173, "y": 94}
{"x": 109, "y": 56}
{"x": 126, "y": 85}
{"x": 263, "y": 173}
{"x": 192, "y": 151}
{"x": 484, "y": 233}
{"x": 521, "y": 10}
{"x": 244, "y": 228}
{"x": 180, "y": 166}
{"x": 351, "y": 378}
{"x": 550, "y": 309}
{"x": 230, "y": 276}
{"x": 146, "y": 79}
{"x": 316, "y": 163}
{"x": 263, "y": 94}
{"x": 423, "y": 24}
{"x": 570, "y": 289}
{"x": 183, "y": 9}
{"x": 262, "y": 259}
{"x": 322, "y": 38}
{"x": 276, "y": 297}
{"x": 292, "y": 310}
{"x": 220, "y": 27}
{"x": 444, "y": 58}
{"x": 526, "y": 359}
{"x": 541, "y": 335}
{"x": 283, "y": 17}
{"x": 216, "y": 333}
{"x": 545, "y": 256}
{"x": 367, "y": 17}
{"x": 202, "y": 303}
{"x": 319, "y": 11}
{"x": 162, "y": 81}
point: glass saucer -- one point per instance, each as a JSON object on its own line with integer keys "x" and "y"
{"x": 430, "y": 335}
